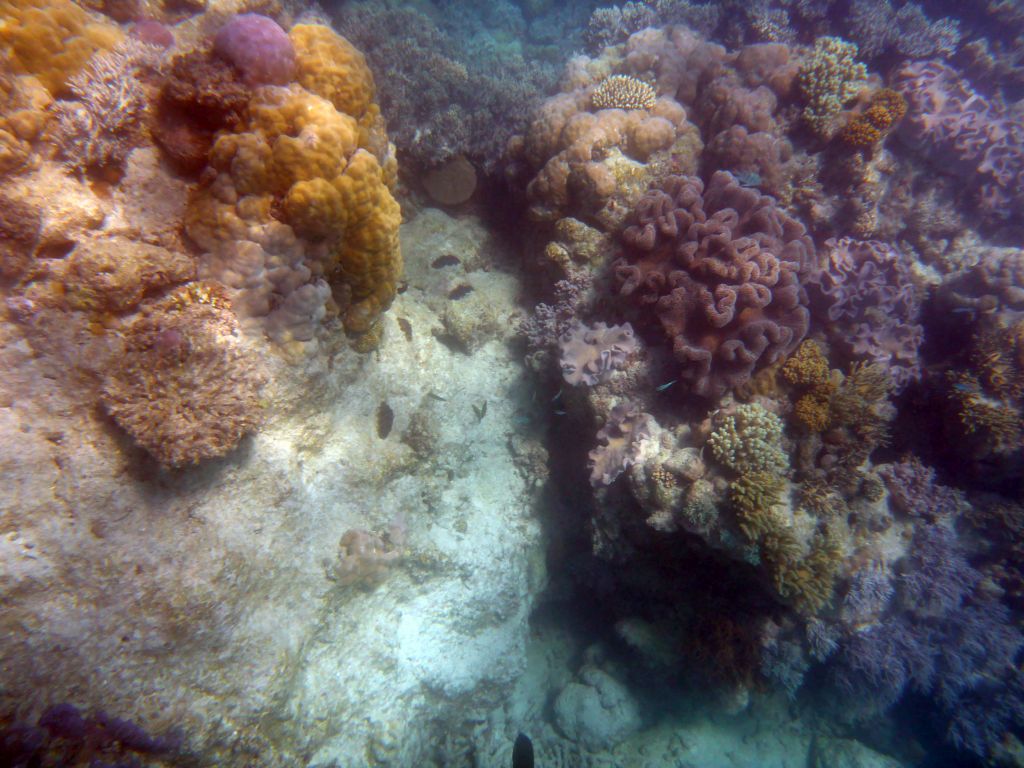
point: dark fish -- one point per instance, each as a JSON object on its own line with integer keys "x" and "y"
{"x": 480, "y": 411}
{"x": 522, "y": 752}
{"x": 460, "y": 291}
{"x": 406, "y": 327}
{"x": 385, "y": 420}
{"x": 445, "y": 261}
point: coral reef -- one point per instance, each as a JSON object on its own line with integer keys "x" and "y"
{"x": 185, "y": 389}
{"x": 299, "y": 176}
{"x": 747, "y": 439}
{"x": 721, "y": 268}
{"x": 24, "y": 105}
{"x": 886, "y": 108}
{"x": 623, "y": 92}
{"x": 621, "y": 443}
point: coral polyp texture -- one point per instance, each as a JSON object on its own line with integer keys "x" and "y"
{"x": 720, "y": 268}
{"x": 623, "y": 92}
{"x": 828, "y": 80}
{"x": 591, "y": 354}
{"x": 185, "y": 388}
{"x": 258, "y": 47}
{"x": 306, "y": 184}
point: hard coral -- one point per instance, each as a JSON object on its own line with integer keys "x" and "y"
{"x": 331, "y": 67}
{"x": 23, "y": 115}
{"x": 298, "y": 161}
{"x": 721, "y": 269}
{"x": 747, "y": 439}
{"x": 623, "y": 92}
{"x": 52, "y": 39}
{"x": 828, "y": 79}
{"x": 885, "y": 110}
{"x": 258, "y": 47}
{"x": 200, "y": 95}
{"x": 185, "y": 389}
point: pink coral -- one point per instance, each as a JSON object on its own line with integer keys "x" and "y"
{"x": 258, "y": 47}
{"x": 621, "y": 439}
{"x": 590, "y": 354}
{"x": 721, "y": 269}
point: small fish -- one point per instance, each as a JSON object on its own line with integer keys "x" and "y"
{"x": 435, "y": 396}
{"x": 560, "y": 413}
{"x": 748, "y": 178}
{"x": 666, "y": 385}
{"x": 480, "y": 411}
{"x": 448, "y": 260}
{"x": 406, "y": 327}
{"x": 553, "y": 399}
{"x": 460, "y": 291}
{"x": 385, "y": 420}
{"x": 522, "y": 752}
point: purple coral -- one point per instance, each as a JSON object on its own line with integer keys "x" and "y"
{"x": 590, "y": 354}
{"x": 258, "y": 47}
{"x": 913, "y": 490}
{"x": 979, "y": 140}
{"x": 621, "y": 436}
{"x": 720, "y": 268}
{"x": 872, "y": 305}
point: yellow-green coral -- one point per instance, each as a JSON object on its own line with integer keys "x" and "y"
{"x": 829, "y": 78}
{"x": 887, "y": 108}
{"x": 52, "y": 39}
{"x": 623, "y": 92}
{"x": 331, "y": 67}
{"x": 749, "y": 439}
{"x": 297, "y": 159}
{"x": 753, "y": 496}
{"x": 813, "y": 412}
{"x": 805, "y": 580}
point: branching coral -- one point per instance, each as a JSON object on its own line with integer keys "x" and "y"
{"x": 886, "y": 108}
{"x": 623, "y": 92}
{"x": 753, "y": 496}
{"x": 185, "y": 389}
{"x": 828, "y": 80}
{"x": 721, "y": 268}
{"x": 747, "y": 439}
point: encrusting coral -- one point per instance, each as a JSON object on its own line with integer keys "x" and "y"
{"x": 185, "y": 389}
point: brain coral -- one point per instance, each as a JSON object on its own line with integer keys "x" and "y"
{"x": 185, "y": 389}
{"x": 720, "y": 268}
{"x": 258, "y": 47}
{"x": 296, "y": 160}
{"x": 52, "y": 39}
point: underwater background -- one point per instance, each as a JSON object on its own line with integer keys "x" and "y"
{"x": 382, "y": 381}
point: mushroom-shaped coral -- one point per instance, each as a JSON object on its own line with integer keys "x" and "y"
{"x": 721, "y": 270}
{"x": 185, "y": 390}
{"x": 622, "y": 440}
{"x": 590, "y": 354}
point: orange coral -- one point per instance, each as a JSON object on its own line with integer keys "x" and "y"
{"x": 885, "y": 109}
{"x": 52, "y": 39}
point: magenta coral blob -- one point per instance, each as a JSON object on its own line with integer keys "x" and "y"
{"x": 153, "y": 33}
{"x": 258, "y": 47}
